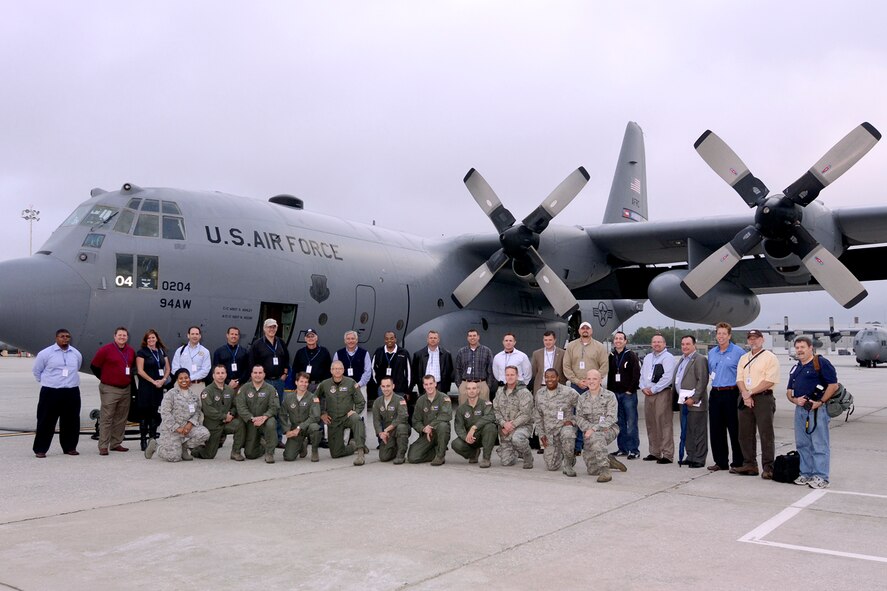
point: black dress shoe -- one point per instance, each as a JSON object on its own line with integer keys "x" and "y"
{"x": 663, "y": 461}
{"x": 650, "y": 458}
{"x": 694, "y": 464}
{"x": 39, "y": 454}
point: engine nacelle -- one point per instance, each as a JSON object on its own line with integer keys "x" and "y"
{"x": 725, "y": 302}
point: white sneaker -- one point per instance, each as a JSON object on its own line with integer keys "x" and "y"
{"x": 818, "y": 482}
{"x": 802, "y": 480}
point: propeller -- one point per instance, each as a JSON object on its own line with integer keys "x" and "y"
{"x": 519, "y": 242}
{"x": 778, "y": 217}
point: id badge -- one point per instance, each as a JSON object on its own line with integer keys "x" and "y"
{"x": 307, "y": 369}
{"x": 233, "y": 367}
{"x": 468, "y": 371}
{"x": 618, "y": 378}
{"x": 191, "y": 408}
{"x": 711, "y": 377}
{"x": 127, "y": 371}
{"x": 275, "y": 361}
{"x": 581, "y": 365}
{"x": 160, "y": 372}
{"x": 748, "y": 381}
{"x": 193, "y": 367}
{"x": 560, "y": 415}
{"x": 350, "y": 372}
{"x": 602, "y": 420}
{"x": 388, "y": 371}
{"x": 65, "y": 372}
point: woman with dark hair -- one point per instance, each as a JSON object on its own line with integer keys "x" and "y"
{"x": 152, "y": 366}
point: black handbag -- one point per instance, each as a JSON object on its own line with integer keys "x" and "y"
{"x": 787, "y": 467}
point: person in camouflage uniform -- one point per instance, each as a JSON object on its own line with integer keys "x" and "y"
{"x": 596, "y": 416}
{"x": 341, "y": 403}
{"x": 220, "y": 417}
{"x": 431, "y": 419}
{"x": 180, "y": 428}
{"x": 300, "y": 420}
{"x": 513, "y": 408}
{"x": 390, "y": 422}
{"x": 475, "y": 426}
{"x": 258, "y": 406}
{"x": 553, "y": 415}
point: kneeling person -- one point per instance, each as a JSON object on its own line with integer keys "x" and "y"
{"x": 475, "y": 427}
{"x": 300, "y": 420}
{"x": 180, "y": 428}
{"x": 257, "y": 406}
{"x": 217, "y": 401}
{"x": 390, "y": 422}
{"x": 553, "y": 416}
{"x": 341, "y": 403}
{"x": 431, "y": 419}
{"x": 596, "y": 415}
{"x": 513, "y": 408}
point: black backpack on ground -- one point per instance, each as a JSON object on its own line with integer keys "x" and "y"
{"x": 787, "y": 467}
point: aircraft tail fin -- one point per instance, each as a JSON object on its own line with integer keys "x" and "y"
{"x": 628, "y": 193}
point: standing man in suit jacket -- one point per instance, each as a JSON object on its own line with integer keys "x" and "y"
{"x": 691, "y": 374}
{"x": 431, "y": 360}
{"x": 548, "y": 357}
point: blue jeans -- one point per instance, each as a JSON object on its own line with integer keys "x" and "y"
{"x": 814, "y": 447}
{"x": 628, "y": 440}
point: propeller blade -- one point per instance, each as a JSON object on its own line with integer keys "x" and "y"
{"x": 557, "y": 200}
{"x": 727, "y": 165}
{"x": 831, "y": 273}
{"x": 484, "y": 195}
{"x": 479, "y": 278}
{"x": 558, "y": 294}
{"x": 836, "y": 162}
{"x": 707, "y": 273}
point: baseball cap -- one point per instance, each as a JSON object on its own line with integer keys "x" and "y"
{"x": 310, "y": 331}
{"x": 754, "y": 333}
{"x": 588, "y": 324}
{"x": 270, "y": 322}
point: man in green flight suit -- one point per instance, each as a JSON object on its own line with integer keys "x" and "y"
{"x": 475, "y": 427}
{"x": 341, "y": 403}
{"x": 431, "y": 419}
{"x": 300, "y": 420}
{"x": 390, "y": 422}
{"x": 217, "y": 401}
{"x": 258, "y": 406}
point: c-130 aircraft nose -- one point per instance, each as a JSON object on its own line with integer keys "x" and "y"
{"x": 39, "y": 295}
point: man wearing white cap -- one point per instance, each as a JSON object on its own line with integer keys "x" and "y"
{"x": 582, "y": 355}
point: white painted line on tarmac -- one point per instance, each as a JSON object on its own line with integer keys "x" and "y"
{"x": 756, "y": 536}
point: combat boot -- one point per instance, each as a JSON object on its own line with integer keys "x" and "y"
{"x": 150, "y": 449}
{"x": 569, "y": 460}
{"x": 474, "y": 454}
{"x": 401, "y": 450}
{"x": 616, "y": 464}
{"x": 237, "y": 456}
{"x": 143, "y": 434}
{"x": 528, "y": 460}
{"x": 485, "y": 462}
{"x": 358, "y": 461}
{"x": 269, "y": 457}
{"x": 304, "y": 451}
{"x": 438, "y": 461}
{"x": 314, "y": 456}
{"x": 604, "y": 475}
{"x": 186, "y": 455}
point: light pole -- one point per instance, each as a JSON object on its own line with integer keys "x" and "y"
{"x": 30, "y": 215}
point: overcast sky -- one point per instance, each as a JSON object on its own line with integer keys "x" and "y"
{"x": 376, "y": 110}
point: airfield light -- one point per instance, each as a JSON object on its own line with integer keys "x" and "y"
{"x": 30, "y": 215}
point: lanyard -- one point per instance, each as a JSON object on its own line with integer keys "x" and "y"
{"x": 125, "y": 357}
{"x": 310, "y": 359}
{"x": 157, "y": 357}
{"x": 234, "y": 352}
{"x": 390, "y": 357}
{"x": 274, "y": 350}
{"x": 619, "y": 358}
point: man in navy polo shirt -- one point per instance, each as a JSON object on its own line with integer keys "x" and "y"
{"x": 809, "y": 389}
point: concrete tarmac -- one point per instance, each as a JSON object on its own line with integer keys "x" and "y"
{"x": 122, "y": 522}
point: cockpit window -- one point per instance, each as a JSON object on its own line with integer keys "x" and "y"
{"x": 77, "y": 216}
{"x": 171, "y": 207}
{"x": 98, "y": 215}
{"x": 134, "y": 203}
{"x": 124, "y": 221}
{"x": 138, "y": 271}
{"x": 173, "y": 228}
{"x": 148, "y": 225}
{"x": 151, "y": 205}
{"x": 93, "y": 240}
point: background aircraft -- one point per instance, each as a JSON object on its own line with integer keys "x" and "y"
{"x": 167, "y": 259}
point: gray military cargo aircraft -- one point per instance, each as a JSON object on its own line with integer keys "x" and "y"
{"x": 168, "y": 258}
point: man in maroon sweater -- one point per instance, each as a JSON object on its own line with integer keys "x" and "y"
{"x": 114, "y": 366}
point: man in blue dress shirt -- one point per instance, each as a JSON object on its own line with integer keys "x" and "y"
{"x": 56, "y": 369}
{"x": 723, "y": 410}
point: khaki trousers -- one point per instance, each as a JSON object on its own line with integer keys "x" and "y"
{"x": 660, "y": 424}
{"x": 114, "y": 410}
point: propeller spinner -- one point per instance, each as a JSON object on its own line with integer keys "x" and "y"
{"x": 519, "y": 242}
{"x": 778, "y": 217}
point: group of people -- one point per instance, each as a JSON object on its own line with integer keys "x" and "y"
{"x": 567, "y": 401}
